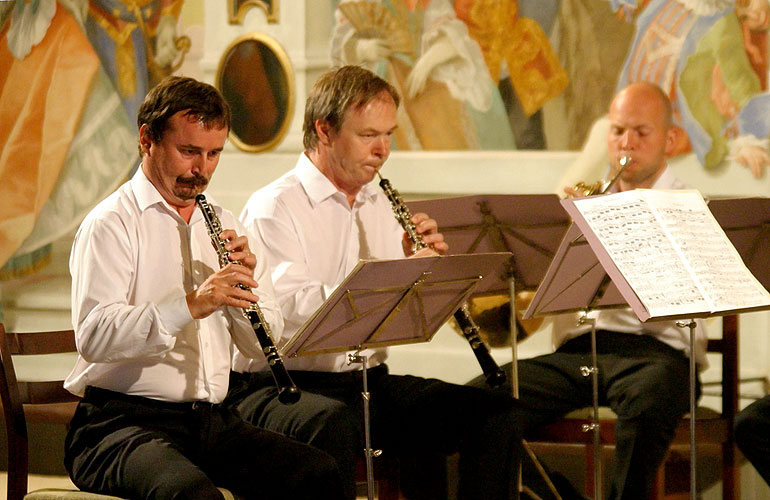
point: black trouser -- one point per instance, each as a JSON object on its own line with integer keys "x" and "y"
{"x": 644, "y": 381}
{"x": 140, "y": 448}
{"x": 409, "y": 416}
{"x": 752, "y": 433}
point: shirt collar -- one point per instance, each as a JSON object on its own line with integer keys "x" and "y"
{"x": 318, "y": 187}
{"x": 665, "y": 179}
{"x": 148, "y": 195}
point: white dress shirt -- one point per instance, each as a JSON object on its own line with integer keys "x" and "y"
{"x": 133, "y": 261}
{"x": 313, "y": 239}
{"x": 565, "y": 326}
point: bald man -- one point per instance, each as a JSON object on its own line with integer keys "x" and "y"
{"x": 643, "y": 368}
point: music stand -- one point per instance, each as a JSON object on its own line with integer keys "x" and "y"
{"x": 583, "y": 276}
{"x": 390, "y": 302}
{"x": 746, "y": 221}
{"x": 530, "y": 227}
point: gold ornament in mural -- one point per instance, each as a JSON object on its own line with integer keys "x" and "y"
{"x": 256, "y": 79}
{"x": 236, "y": 10}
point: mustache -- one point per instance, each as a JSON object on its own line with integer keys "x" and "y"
{"x": 195, "y": 181}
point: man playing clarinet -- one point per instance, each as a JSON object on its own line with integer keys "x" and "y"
{"x": 315, "y": 223}
{"x": 157, "y": 321}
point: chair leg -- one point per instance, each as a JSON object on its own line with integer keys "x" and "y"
{"x": 659, "y": 487}
{"x": 730, "y": 473}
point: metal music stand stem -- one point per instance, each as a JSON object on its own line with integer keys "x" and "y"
{"x": 593, "y": 372}
{"x": 515, "y": 393}
{"x": 693, "y": 483}
{"x": 369, "y": 453}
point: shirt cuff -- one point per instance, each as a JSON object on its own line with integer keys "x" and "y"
{"x": 175, "y": 315}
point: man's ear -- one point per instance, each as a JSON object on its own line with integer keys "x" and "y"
{"x": 323, "y": 130}
{"x": 673, "y": 139}
{"x": 145, "y": 139}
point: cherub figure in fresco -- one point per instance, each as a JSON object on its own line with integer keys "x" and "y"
{"x": 425, "y": 51}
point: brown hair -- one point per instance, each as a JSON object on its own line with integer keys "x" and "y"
{"x": 174, "y": 94}
{"x": 335, "y": 92}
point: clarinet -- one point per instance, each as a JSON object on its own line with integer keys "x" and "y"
{"x": 493, "y": 374}
{"x": 287, "y": 392}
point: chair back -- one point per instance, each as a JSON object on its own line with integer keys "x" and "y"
{"x": 43, "y": 400}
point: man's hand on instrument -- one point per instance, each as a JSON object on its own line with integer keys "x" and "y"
{"x": 428, "y": 229}
{"x": 238, "y": 246}
{"x": 221, "y": 289}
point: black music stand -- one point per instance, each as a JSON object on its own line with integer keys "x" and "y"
{"x": 746, "y": 221}
{"x": 390, "y": 302}
{"x": 530, "y": 227}
{"x": 584, "y": 276}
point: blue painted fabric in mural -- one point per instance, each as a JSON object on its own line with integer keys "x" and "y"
{"x": 678, "y": 47}
{"x": 119, "y": 32}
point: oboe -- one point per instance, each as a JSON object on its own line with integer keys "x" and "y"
{"x": 493, "y": 374}
{"x": 287, "y": 392}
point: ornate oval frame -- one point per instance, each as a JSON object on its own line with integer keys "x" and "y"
{"x": 256, "y": 79}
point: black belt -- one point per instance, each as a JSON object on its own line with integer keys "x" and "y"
{"x": 99, "y": 396}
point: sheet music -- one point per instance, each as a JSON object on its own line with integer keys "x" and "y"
{"x": 672, "y": 252}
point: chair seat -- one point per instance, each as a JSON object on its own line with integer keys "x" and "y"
{"x": 51, "y": 413}
{"x": 70, "y": 494}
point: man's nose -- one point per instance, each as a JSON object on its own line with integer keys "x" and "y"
{"x": 627, "y": 140}
{"x": 381, "y": 145}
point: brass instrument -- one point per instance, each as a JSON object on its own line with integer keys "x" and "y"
{"x": 596, "y": 188}
{"x": 492, "y": 315}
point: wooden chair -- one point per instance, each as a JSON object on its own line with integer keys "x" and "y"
{"x": 714, "y": 430}
{"x": 38, "y": 401}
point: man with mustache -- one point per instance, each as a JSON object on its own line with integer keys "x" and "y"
{"x": 157, "y": 322}
{"x": 315, "y": 223}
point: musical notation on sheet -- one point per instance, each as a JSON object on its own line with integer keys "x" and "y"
{"x": 672, "y": 252}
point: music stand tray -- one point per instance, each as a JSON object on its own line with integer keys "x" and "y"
{"x": 390, "y": 302}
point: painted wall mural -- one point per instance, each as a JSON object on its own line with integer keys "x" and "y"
{"x": 710, "y": 56}
{"x": 474, "y": 74}
{"x": 73, "y": 74}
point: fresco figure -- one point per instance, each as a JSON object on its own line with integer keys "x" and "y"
{"x": 424, "y": 50}
{"x": 700, "y": 53}
{"x": 65, "y": 135}
{"x": 512, "y": 35}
